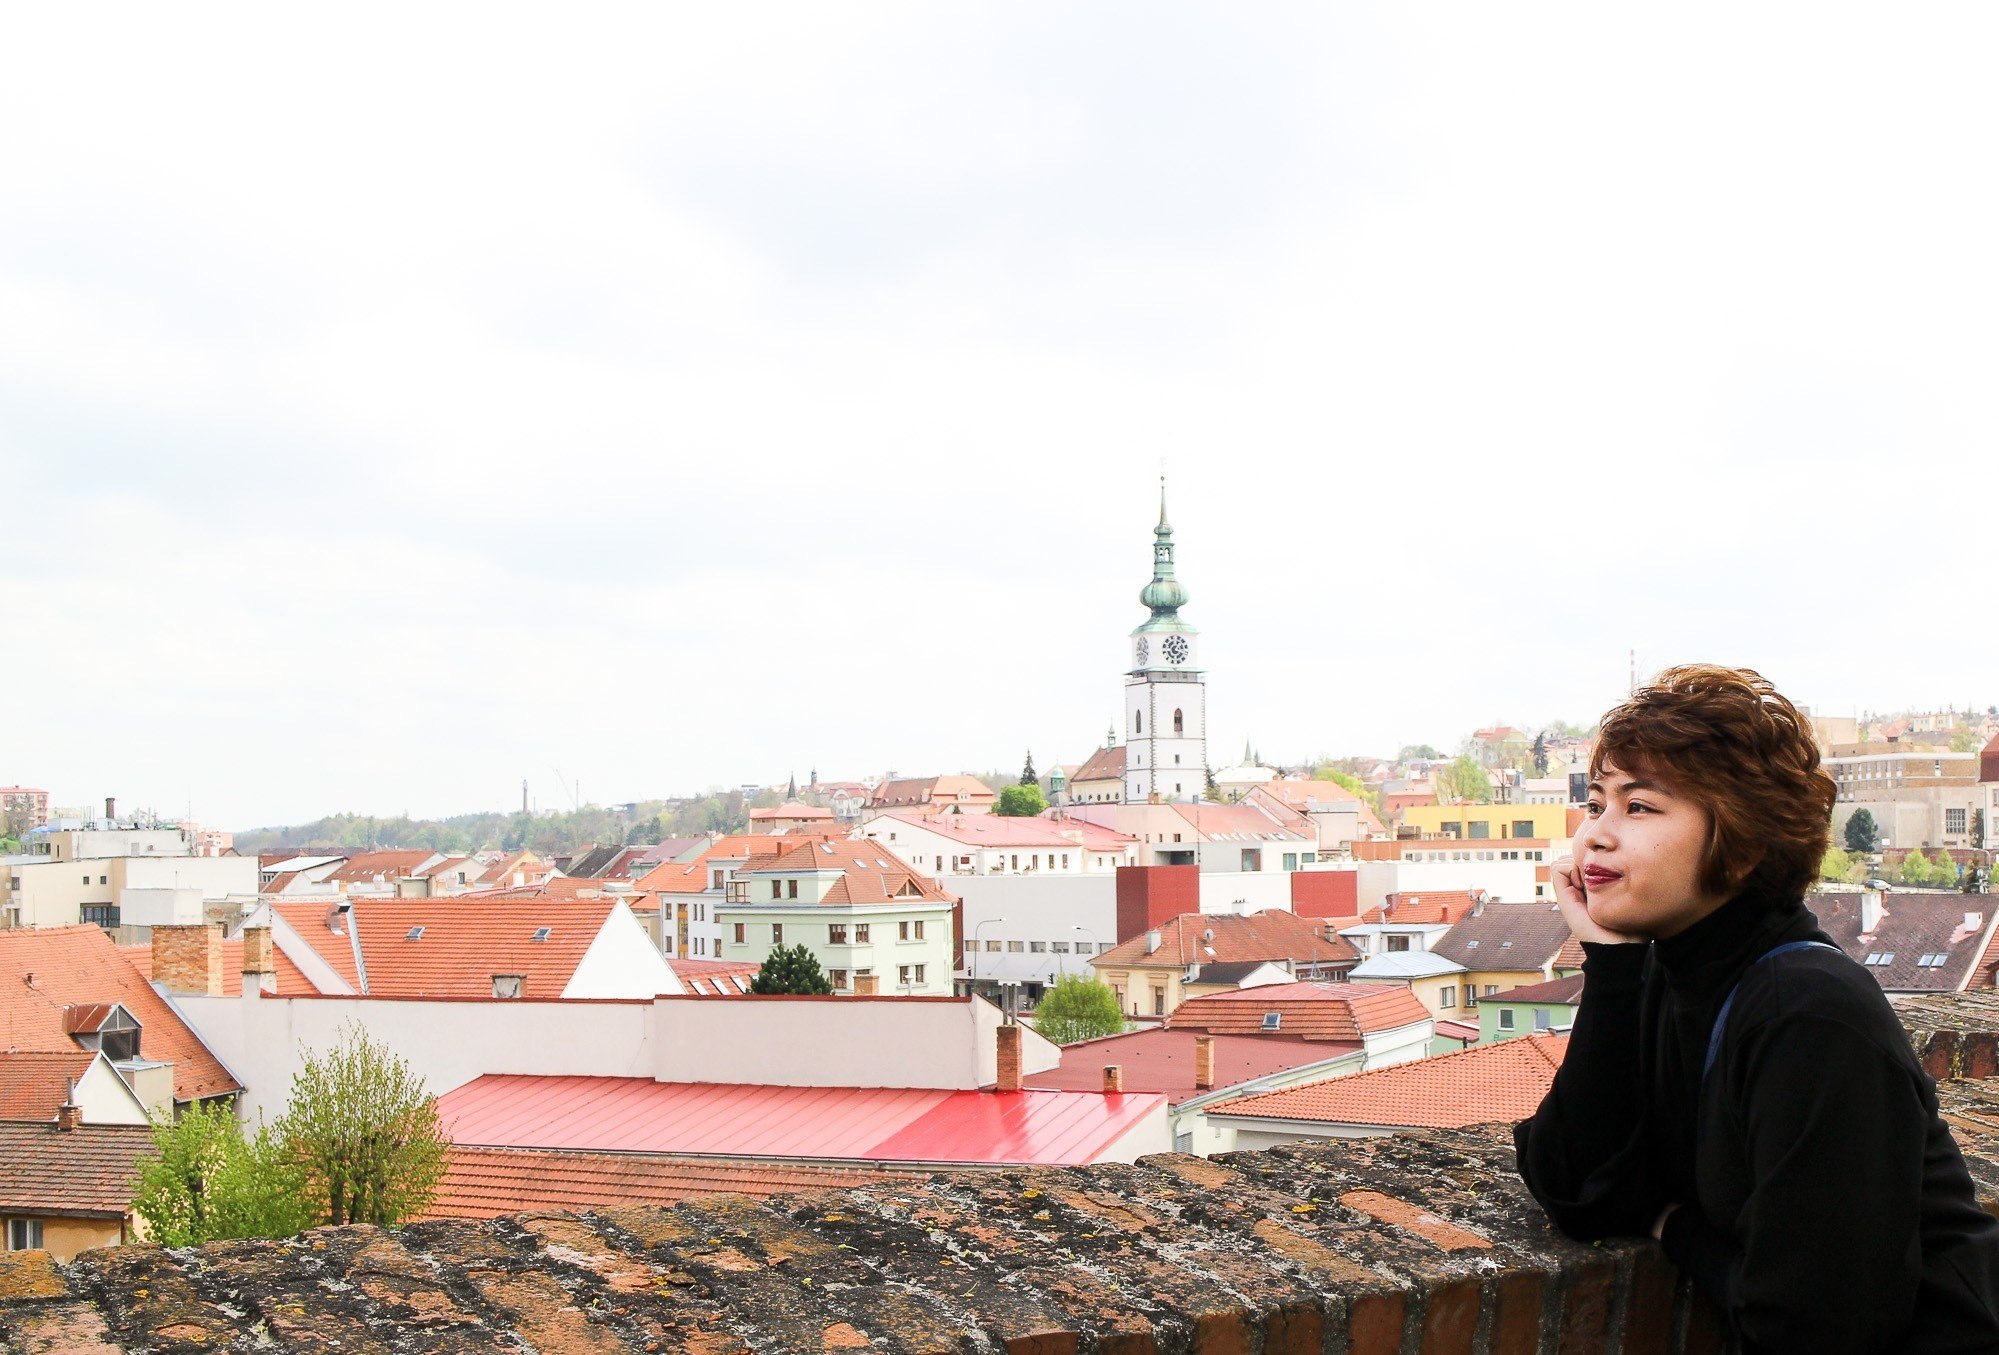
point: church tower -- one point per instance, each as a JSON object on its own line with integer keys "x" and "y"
{"x": 1165, "y": 696}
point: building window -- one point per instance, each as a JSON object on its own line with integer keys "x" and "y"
{"x": 791, "y": 889}
{"x": 1540, "y": 1018}
{"x": 508, "y": 985}
{"x": 1059, "y": 947}
{"x": 777, "y": 889}
{"x": 860, "y": 933}
{"x": 1065, "y": 860}
{"x": 1179, "y": 725}
{"x": 1480, "y": 829}
{"x": 916, "y": 928}
{"x": 1506, "y": 1018}
{"x": 1397, "y": 942}
{"x": 992, "y": 946}
{"x": 1037, "y": 947}
{"x": 777, "y": 933}
{"x": 837, "y": 977}
{"x": 1523, "y": 828}
{"x": 919, "y": 975}
{"x": 1954, "y": 820}
{"x": 1158, "y": 1001}
{"x": 1138, "y": 722}
{"x": 739, "y": 932}
{"x": 902, "y": 975}
{"x": 1016, "y": 947}
{"x": 1290, "y": 860}
{"x": 24, "y": 1234}
{"x": 1085, "y": 947}
{"x": 1447, "y": 996}
{"x": 971, "y": 947}
{"x": 836, "y": 933}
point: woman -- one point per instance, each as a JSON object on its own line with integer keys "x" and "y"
{"x": 1761, "y": 1114}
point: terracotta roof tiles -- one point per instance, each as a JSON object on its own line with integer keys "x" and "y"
{"x": 1311, "y": 1011}
{"x": 1270, "y": 935}
{"x": 34, "y": 1083}
{"x": 86, "y": 1172}
{"x": 484, "y": 1183}
{"x": 1503, "y": 1081}
{"x": 462, "y": 945}
{"x": 75, "y": 966}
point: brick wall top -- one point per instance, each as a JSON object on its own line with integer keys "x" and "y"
{"x": 1419, "y": 1242}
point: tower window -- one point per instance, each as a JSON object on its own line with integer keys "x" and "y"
{"x": 1179, "y": 723}
{"x": 1137, "y": 727}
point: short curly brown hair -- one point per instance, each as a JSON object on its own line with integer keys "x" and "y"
{"x": 1727, "y": 739}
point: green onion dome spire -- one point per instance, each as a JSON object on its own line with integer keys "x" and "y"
{"x": 1165, "y": 595}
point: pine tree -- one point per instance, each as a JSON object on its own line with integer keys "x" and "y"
{"x": 794, "y": 970}
{"x": 1541, "y": 753}
{"x": 1860, "y": 831}
{"x": 1027, "y": 776}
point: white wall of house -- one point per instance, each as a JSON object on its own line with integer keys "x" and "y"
{"x": 622, "y": 962}
{"x": 885, "y": 953}
{"x": 801, "y": 1042}
{"x": 1239, "y": 892}
{"x": 839, "y": 1042}
{"x": 1505, "y": 881}
{"x": 104, "y": 1097}
{"x": 1018, "y": 922}
{"x": 1398, "y": 1045}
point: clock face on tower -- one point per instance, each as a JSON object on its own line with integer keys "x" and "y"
{"x": 1142, "y": 650}
{"x": 1175, "y": 649}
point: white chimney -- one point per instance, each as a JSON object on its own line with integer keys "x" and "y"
{"x": 1870, "y": 911}
{"x": 1152, "y": 941}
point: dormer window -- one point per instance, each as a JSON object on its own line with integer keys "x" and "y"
{"x": 508, "y": 985}
{"x": 105, "y": 1026}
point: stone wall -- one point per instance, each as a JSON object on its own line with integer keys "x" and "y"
{"x": 1423, "y": 1243}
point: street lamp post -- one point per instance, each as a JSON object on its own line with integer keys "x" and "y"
{"x": 1093, "y": 939}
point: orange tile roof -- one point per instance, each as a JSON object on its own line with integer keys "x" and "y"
{"x": 1310, "y": 1011}
{"x": 714, "y": 978}
{"x": 366, "y": 867}
{"x": 1503, "y": 1081}
{"x": 463, "y": 944}
{"x": 1570, "y": 956}
{"x": 525, "y": 862}
{"x": 869, "y": 872}
{"x": 34, "y": 1083}
{"x": 957, "y": 788}
{"x": 1235, "y": 823}
{"x": 1106, "y": 764}
{"x": 484, "y": 1183}
{"x": 791, "y": 809}
{"x": 1428, "y": 908}
{"x": 1271, "y": 935}
{"x": 73, "y": 966}
{"x": 692, "y": 877}
{"x": 86, "y": 1172}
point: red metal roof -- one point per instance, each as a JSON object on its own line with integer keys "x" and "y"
{"x": 868, "y": 1124}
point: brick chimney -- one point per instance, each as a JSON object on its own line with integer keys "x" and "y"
{"x": 69, "y": 1114}
{"x": 1204, "y": 1063}
{"x": 260, "y": 961}
{"x": 1113, "y": 1077}
{"x": 1009, "y": 1059}
{"x": 111, "y": 809}
{"x": 189, "y": 959}
{"x": 866, "y": 985}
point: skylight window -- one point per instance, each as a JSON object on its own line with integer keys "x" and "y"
{"x": 414, "y": 934}
{"x": 1272, "y": 1020}
{"x": 1471, "y": 945}
{"x": 542, "y": 933}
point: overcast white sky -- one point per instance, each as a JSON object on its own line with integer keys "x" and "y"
{"x": 397, "y": 402}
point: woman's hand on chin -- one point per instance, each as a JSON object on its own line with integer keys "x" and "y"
{"x": 1575, "y": 906}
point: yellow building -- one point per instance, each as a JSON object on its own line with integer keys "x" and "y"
{"x": 1481, "y": 823}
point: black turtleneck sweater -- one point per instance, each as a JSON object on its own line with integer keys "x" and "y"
{"x": 1822, "y": 1202}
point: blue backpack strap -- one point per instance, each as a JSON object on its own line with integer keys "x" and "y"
{"x": 1721, "y": 1018}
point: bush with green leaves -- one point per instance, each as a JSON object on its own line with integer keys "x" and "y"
{"x": 365, "y": 1133}
{"x": 791, "y": 970}
{"x": 1077, "y": 1007}
{"x": 209, "y": 1180}
{"x": 1020, "y": 802}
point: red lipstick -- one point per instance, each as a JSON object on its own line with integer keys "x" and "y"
{"x": 1595, "y": 877}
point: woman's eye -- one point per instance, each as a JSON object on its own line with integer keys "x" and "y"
{"x": 1592, "y": 809}
{"x": 1637, "y": 807}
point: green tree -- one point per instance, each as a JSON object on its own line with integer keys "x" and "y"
{"x": 1020, "y": 802}
{"x": 364, "y": 1131}
{"x": 1835, "y": 865}
{"x": 1463, "y": 781}
{"x": 1978, "y": 828}
{"x": 794, "y": 970}
{"x": 1411, "y": 751}
{"x": 1078, "y": 1007}
{"x": 1860, "y": 831}
{"x": 1541, "y": 753}
{"x": 1916, "y": 870}
{"x": 207, "y": 1180}
{"x": 1027, "y": 774}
